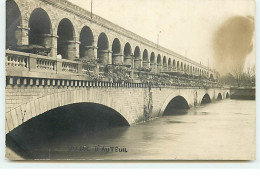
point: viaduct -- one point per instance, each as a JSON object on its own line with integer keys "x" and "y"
{"x": 57, "y": 55}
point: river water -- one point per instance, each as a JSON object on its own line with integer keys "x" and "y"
{"x": 220, "y": 130}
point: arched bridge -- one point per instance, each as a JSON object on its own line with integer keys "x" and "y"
{"x": 70, "y": 59}
{"x": 136, "y": 102}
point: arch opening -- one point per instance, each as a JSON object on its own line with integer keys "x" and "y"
{"x": 128, "y": 54}
{"x": 59, "y": 127}
{"x": 219, "y": 96}
{"x": 127, "y": 50}
{"x": 181, "y": 66}
{"x": 169, "y": 64}
{"x": 145, "y": 56}
{"x": 116, "y": 49}
{"x": 40, "y": 30}
{"x": 152, "y": 62}
{"x": 174, "y": 65}
{"x": 102, "y": 51}
{"x": 152, "y": 57}
{"x": 164, "y": 64}
{"x": 66, "y": 42}
{"x": 116, "y": 46}
{"x": 13, "y": 20}
{"x": 159, "y": 63}
{"x": 137, "y": 58}
{"x": 137, "y": 53}
{"x": 86, "y": 43}
{"x": 206, "y": 99}
{"x": 227, "y": 95}
{"x": 178, "y": 105}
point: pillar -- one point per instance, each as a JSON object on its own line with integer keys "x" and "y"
{"x": 117, "y": 59}
{"x": 146, "y": 64}
{"x": 159, "y": 68}
{"x": 89, "y": 52}
{"x": 50, "y": 41}
{"x": 72, "y": 50}
{"x": 154, "y": 67}
{"x": 138, "y": 63}
{"x": 21, "y": 35}
{"x": 105, "y": 56}
{"x": 128, "y": 60}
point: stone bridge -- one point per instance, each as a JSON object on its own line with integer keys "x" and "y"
{"x": 70, "y": 59}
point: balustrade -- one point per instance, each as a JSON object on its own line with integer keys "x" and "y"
{"x": 69, "y": 67}
{"x": 46, "y": 64}
{"x": 30, "y": 62}
{"x": 16, "y": 60}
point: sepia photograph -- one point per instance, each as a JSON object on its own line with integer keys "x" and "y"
{"x": 120, "y": 80}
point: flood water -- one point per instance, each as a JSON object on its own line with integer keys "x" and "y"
{"x": 220, "y": 130}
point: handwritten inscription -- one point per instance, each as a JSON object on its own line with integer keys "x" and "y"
{"x": 98, "y": 148}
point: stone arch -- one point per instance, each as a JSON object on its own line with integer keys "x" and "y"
{"x": 169, "y": 64}
{"x": 103, "y": 48}
{"x": 206, "y": 99}
{"x": 152, "y": 58}
{"x": 128, "y": 54}
{"x": 66, "y": 39}
{"x": 181, "y": 66}
{"x": 13, "y": 20}
{"x": 177, "y": 103}
{"x": 137, "y": 53}
{"x": 40, "y": 28}
{"x": 178, "y": 65}
{"x": 127, "y": 50}
{"x": 174, "y": 64}
{"x": 116, "y": 46}
{"x": 146, "y": 62}
{"x": 164, "y": 63}
{"x": 137, "y": 57}
{"x": 116, "y": 51}
{"x": 186, "y": 96}
{"x": 219, "y": 97}
{"x": 145, "y": 56}
{"x": 41, "y": 105}
{"x": 86, "y": 39}
{"x": 159, "y": 63}
{"x": 227, "y": 95}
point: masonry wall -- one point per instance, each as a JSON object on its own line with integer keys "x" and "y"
{"x": 134, "y": 104}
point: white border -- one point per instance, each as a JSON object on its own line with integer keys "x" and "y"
{"x": 117, "y": 165}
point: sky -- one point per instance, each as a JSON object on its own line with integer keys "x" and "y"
{"x": 187, "y": 26}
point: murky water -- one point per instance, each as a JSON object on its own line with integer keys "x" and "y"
{"x": 221, "y": 130}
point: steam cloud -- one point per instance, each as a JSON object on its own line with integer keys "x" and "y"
{"x": 232, "y": 42}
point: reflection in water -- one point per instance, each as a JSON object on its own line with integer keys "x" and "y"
{"x": 219, "y": 130}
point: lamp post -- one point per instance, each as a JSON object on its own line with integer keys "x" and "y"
{"x": 158, "y": 36}
{"x": 91, "y": 8}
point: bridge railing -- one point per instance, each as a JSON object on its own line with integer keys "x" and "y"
{"x": 32, "y": 62}
{"x": 19, "y": 61}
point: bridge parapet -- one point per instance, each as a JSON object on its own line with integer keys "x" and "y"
{"x": 24, "y": 65}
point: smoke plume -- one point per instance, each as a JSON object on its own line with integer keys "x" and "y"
{"x": 233, "y": 41}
